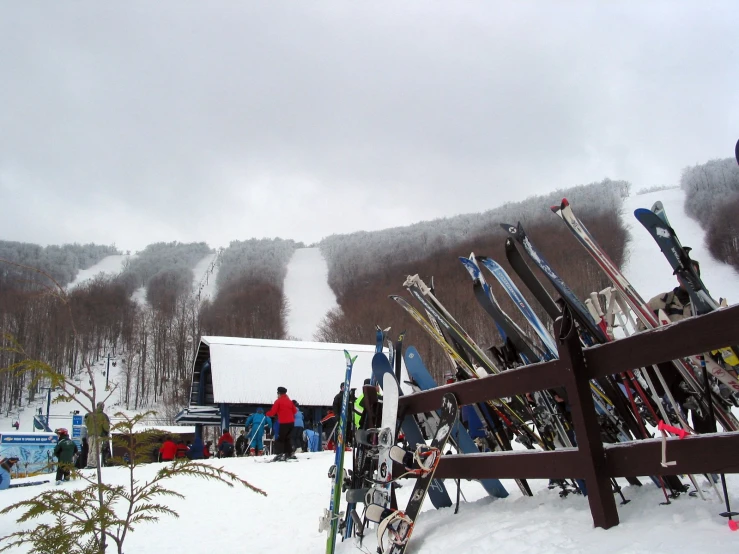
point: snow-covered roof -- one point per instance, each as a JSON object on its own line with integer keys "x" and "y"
{"x": 248, "y": 371}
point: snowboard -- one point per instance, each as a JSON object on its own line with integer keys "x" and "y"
{"x": 396, "y": 527}
{"x": 413, "y": 436}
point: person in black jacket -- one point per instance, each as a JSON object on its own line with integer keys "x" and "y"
{"x": 338, "y": 399}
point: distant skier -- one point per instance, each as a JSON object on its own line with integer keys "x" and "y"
{"x": 225, "y": 445}
{"x": 241, "y": 444}
{"x": 98, "y": 430}
{"x": 168, "y": 450}
{"x": 255, "y": 426}
{"x": 285, "y": 411}
{"x": 64, "y": 451}
{"x": 6, "y": 466}
{"x": 297, "y": 433}
{"x": 312, "y": 439}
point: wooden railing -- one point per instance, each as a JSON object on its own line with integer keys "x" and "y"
{"x": 592, "y": 460}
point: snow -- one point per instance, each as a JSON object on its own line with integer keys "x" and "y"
{"x": 648, "y": 270}
{"x": 110, "y": 265}
{"x": 308, "y": 293}
{"x": 215, "y": 518}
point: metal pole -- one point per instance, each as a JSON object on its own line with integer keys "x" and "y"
{"x": 107, "y": 372}
{"x": 48, "y": 406}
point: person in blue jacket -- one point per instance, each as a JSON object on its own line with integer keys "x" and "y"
{"x": 297, "y": 438}
{"x": 255, "y": 425}
{"x": 312, "y": 439}
{"x": 6, "y": 465}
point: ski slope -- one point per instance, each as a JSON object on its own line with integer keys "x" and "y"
{"x": 109, "y": 265}
{"x": 648, "y": 270}
{"x": 308, "y": 294}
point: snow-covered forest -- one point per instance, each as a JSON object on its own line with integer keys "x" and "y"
{"x": 712, "y": 198}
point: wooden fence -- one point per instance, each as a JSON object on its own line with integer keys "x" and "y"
{"x": 592, "y": 460}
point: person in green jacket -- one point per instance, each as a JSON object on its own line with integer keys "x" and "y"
{"x": 64, "y": 451}
{"x": 98, "y": 432}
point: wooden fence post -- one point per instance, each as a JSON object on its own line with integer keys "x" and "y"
{"x": 587, "y": 432}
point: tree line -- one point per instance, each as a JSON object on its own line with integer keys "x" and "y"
{"x": 712, "y": 198}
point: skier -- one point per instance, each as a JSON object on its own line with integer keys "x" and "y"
{"x": 312, "y": 439}
{"x": 98, "y": 429}
{"x": 196, "y": 449}
{"x": 297, "y": 434}
{"x": 168, "y": 450}
{"x": 255, "y": 426}
{"x": 64, "y": 451}
{"x": 284, "y": 410}
{"x": 225, "y": 445}
{"x": 240, "y": 444}
{"x": 6, "y": 465}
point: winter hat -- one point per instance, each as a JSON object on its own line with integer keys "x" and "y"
{"x": 281, "y": 390}
{"x": 260, "y": 411}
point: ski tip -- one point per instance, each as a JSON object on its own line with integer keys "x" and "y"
{"x": 565, "y": 203}
{"x": 556, "y": 209}
{"x": 508, "y": 228}
{"x": 736, "y": 151}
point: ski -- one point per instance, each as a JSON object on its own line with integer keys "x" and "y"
{"x": 521, "y": 303}
{"x": 634, "y": 301}
{"x": 519, "y": 265}
{"x": 330, "y": 520}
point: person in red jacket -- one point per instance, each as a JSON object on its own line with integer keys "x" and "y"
{"x": 225, "y": 445}
{"x": 168, "y": 450}
{"x": 285, "y": 411}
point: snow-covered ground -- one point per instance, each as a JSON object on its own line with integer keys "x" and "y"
{"x": 648, "y": 270}
{"x": 215, "y": 518}
{"x": 307, "y": 292}
{"x": 109, "y": 265}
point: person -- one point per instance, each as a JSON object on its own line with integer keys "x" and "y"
{"x": 195, "y": 452}
{"x": 98, "y": 431}
{"x": 255, "y": 426}
{"x": 17, "y": 425}
{"x": 338, "y": 400}
{"x": 240, "y": 444}
{"x": 676, "y": 304}
{"x": 168, "y": 450}
{"x": 182, "y": 448}
{"x": 6, "y": 466}
{"x": 206, "y": 450}
{"x": 64, "y": 451}
{"x": 225, "y": 445}
{"x": 299, "y": 427}
{"x": 81, "y": 461}
{"x": 284, "y": 410}
{"x": 312, "y": 440}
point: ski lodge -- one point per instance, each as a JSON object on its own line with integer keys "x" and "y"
{"x": 232, "y": 377}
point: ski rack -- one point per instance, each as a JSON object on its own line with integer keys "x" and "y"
{"x": 596, "y": 462}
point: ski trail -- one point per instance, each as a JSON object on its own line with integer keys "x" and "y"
{"x": 109, "y": 265}
{"x": 308, "y": 293}
{"x": 205, "y": 271}
{"x": 648, "y": 270}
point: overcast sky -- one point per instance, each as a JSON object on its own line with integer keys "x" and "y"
{"x": 220, "y": 121}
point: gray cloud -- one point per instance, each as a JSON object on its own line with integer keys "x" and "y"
{"x": 140, "y": 122}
